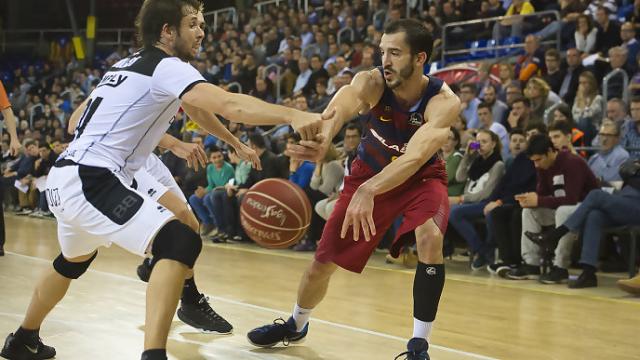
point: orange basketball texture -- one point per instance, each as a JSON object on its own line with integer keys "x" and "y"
{"x": 275, "y": 213}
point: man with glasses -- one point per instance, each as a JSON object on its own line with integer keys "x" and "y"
{"x": 606, "y": 162}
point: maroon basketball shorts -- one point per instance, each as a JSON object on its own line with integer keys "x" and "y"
{"x": 420, "y": 198}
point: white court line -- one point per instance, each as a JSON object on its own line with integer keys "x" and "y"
{"x": 279, "y": 312}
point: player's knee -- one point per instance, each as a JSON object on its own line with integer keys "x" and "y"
{"x": 320, "y": 271}
{"x": 430, "y": 241}
{"x": 72, "y": 270}
{"x": 177, "y": 241}
{"x": 186, "y": 217}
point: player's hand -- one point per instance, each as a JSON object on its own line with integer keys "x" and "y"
{"x": 309, "y": 125}
{"x": 193, "y": 153}
{"x": 14, "y": 147}
{"x": 248, "y": 154}
{"x": 360, "y": 215}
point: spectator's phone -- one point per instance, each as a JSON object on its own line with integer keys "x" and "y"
{"x": 474, "y": 145}
{"x": 232, "y": 181}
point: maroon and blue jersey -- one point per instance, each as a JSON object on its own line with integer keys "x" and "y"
{"x": 388, "y": 127}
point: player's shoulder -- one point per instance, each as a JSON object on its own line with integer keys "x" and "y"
{"x": 368, "y": 78}
{"x": 145, "y": 61}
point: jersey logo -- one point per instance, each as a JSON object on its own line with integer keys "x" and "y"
{"x": 126, "y": 62}
{"x": 384, "y": 119}
{"x": 113, "y": 80}
{"x": 415, "y": 119}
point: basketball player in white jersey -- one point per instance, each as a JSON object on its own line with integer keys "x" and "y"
{"x": 155, "y": 180}
{"x": 88, "y": 188}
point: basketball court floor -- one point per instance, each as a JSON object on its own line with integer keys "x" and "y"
{"x": 365, "y": 316}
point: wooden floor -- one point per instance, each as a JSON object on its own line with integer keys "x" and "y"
{"x": 365, "y": 316}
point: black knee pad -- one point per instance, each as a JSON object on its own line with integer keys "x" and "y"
{"x": 72, "y": 270}
{"x": 176, "y": 241}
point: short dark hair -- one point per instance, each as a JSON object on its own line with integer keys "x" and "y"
{"x": 29, "y": 142}
{"x": 541, "y": 127}
{"x": 354, "y": 126}
{"x": 471, "y": 86}
{"x": 155, "y": 13}
{"x": 214, "y": 148}
{"x": 484, "y": 105}
{"x": 257, "y": 140}
{"x": 563, "y": 126}
{"x": 516, "y": 131}
{"x": 523, "y": 100}
{"x": 539, "y": 144}
{"x": 552, "y": 53}
{"x": 417, "y": 35}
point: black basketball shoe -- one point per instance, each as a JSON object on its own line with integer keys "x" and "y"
{"x": 201, "y": 316}
{"x": 16, "y": 349}
{"x": 416, "y": 350}
{"x": 280, "y": 331}
{"x": 144, "y": 270}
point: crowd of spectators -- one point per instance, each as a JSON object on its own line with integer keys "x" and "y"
{"x": 535, "y": 137}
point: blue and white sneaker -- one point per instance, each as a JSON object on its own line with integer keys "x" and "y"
{"x": 280, "y": 331}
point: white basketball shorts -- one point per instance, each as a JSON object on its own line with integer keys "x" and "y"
{"x": 95, "y": 208}
{"x": 155, "y": 179}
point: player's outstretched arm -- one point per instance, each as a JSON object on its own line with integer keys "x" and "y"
{"x": 250, "y": 110}
{"x": 75, "y": 117}
{"x": 210, "y": 123}
{"x": 193, "y": 153}
{"x": 9, "y": 121}
{"x": 441, "y": 112}
{"x": 358, "y": 97}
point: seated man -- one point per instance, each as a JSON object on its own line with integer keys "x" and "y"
{"x": 564, "y": 179}
{"x": 503, "y": 213}
{"x": 600, "y": 209}
{"x": 218, "y": 174}
{"x": 606, "y": 162}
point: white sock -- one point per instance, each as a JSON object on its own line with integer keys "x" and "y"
{"x": 301, "y": 317}
{"x": 421, "y": 329}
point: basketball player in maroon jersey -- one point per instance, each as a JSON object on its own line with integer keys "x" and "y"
{"x": 406, "y": 118}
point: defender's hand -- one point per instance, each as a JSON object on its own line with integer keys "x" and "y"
{"x": 248, "y": 154}
{"x": 14, "y": 147}
{"x": 309, "y": 125}
{"x": 193, "y": 153}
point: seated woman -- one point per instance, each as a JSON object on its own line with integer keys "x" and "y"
{"x": 482, "y": 167}
{"x": 326, "y": 180}
{"x": 587, "y": 108}
{"x": 452, "y": 158}
{"x": 541, "y": 98}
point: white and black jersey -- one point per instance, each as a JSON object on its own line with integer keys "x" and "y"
{"x": 130, "y": 110}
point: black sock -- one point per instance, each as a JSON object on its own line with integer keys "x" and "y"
{"x": 29, "y": 337}
{"x": 427, "y": 288}
{"x": 557, "y": 233}
{"x": 190, "y": 294}
{"x": 155, "y": 354}
{"x": 590, "y": 269}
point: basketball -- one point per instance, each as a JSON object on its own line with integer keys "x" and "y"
{"x": 275, "y": 213}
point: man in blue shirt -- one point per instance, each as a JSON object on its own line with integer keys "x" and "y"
{"x": 606, "y": 163}
{"x": 470, "y": 104}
